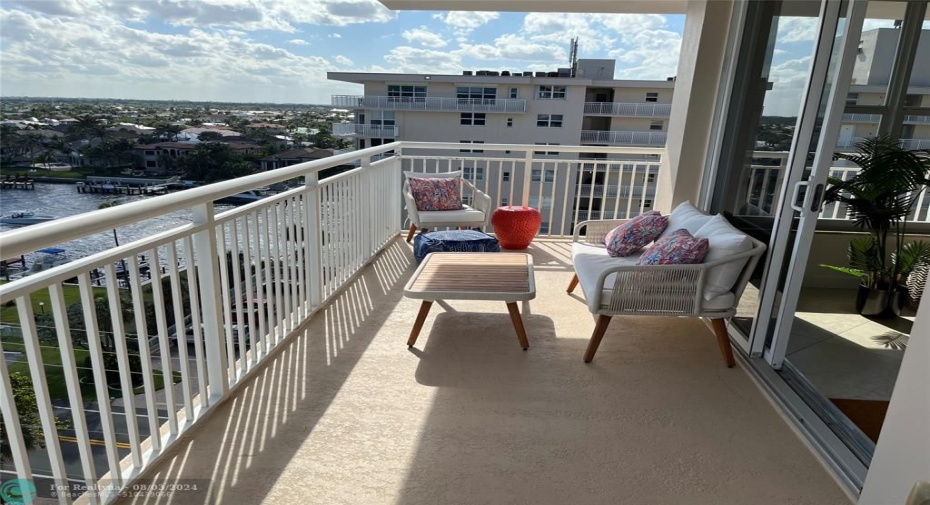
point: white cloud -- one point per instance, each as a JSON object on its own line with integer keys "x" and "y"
{"x": 335, "y": 36}
{"x": 412, "y": 59}
{"x": 298, "y": 42}
{"x": 788, "y": 81}
{"x": 464, "y": 22}
{"x": 342, "y": 60}
{"x": 424, "y": 37}
{"x": 796, "y": 29}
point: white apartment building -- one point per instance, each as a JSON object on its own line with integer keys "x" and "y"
{"x": 583, "y": 105}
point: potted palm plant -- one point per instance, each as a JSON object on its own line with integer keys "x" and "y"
{"x": 880, "y": 199}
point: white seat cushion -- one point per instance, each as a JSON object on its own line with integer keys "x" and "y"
{"x": 687, "y": 217}
{"x": 592, "y": 259}
{"x": 451, "y": 217}
{"x": 725, "y": 240}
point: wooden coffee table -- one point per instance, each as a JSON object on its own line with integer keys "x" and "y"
{"x": 505, "y": 277}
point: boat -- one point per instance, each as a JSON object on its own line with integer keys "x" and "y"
{"x": 23, "y": 218}
{"x": 51, "y": 257}
{"x": 242, "y": 198}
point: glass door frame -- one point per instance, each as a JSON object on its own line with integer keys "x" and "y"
{"x": 804, "y": 196}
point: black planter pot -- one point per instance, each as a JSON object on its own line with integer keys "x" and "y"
{"x": 880, "y": 303}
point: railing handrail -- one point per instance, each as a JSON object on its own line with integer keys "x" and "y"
{"x": 31, "y": 238}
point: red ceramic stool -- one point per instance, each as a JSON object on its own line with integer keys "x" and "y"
{"x": 515, "y": 225}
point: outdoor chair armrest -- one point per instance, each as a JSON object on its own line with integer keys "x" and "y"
{"x": 595, "y": 230}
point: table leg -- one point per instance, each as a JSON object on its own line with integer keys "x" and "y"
{"x": 418, "y": 324}
{"x": 518, "y": 324}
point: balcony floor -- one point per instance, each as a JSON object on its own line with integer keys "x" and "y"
{"x": 345, "y": 413}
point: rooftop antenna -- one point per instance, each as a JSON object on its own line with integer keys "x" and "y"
{"x": 573, "y": 56}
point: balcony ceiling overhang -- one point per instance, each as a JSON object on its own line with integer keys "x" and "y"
{"x": 613, "y": 6}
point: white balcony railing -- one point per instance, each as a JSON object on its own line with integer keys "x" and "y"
{"x": 910, "y": 144}
{"x": 875, "y": 118}
{"x": 431, "y": 103}
{"x": 364, "y": 130}
{"x": 627, "y": 109}
{"x": 650, "y": 138}
{"x": 233, "y": 284}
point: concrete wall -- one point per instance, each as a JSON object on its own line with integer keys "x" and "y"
{"x": 829, "y": 248}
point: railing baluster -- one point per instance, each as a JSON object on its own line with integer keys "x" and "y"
{"x": 145, "y": 356}
{"x": 278, "y": 270}
{"x": 164, "y": 344}
{"x": 177, "y": 303}
{"x": 240, "y": 300}
{"x": 73, "y": 383}
{"x": 40, "y": 388}
{"x": 196, "y": 325}
{"x": 122, "y": 358}
{"x": 95, "y": 350}
{"x": 250, "y": 299}
{"x": 225, "y": 306}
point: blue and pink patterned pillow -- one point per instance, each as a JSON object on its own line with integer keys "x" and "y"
{"x": 676, "y": 248}
{"x": 436, "y": 193}
{"x": 631, "y": 236}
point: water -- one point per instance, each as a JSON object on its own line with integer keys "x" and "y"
{"x": 61, "y": 200}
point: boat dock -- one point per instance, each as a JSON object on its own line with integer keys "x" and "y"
{"x": 121, "y": 189}
{"x": 17, "y": 183}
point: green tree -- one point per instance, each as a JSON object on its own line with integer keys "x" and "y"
{"x": 210, "y": 136}
{"x": 212, "y": 161}
{"x": 24, "y": 397}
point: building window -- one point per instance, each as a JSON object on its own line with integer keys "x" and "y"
{"x": 651, "y": 177}
{"x": 549, "y": 120}
{"x": 151, "y": 164}
{"x": 536, "y": 175}
{"x": 852, "y": 99}
{"x": 478, "y": 94}
{"x": 473, "y": 174}
{"x": 655, "y": 125}
{"x": 912, "y": 100}
{"x": 381, "y": 118}
{"x": 546, "y": 153}
{"x": 472, "y": 118}
{"x": 550, "y": 92}
{"x": 504, "y": 201}
{"x": 647, "y": 204}
{"x": 471, "y": 150}
{"x": 467, "y": 199}
{"x": 652, "y": 97}
{"x": 403, "y": 91}
{"x": 505, "y": 176}
{"x": 510, "y": 122}
{"x": 513, "y": 92}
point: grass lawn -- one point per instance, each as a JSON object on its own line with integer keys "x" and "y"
{"x": 55, "y": 375}
{"x": 10, "y": 315}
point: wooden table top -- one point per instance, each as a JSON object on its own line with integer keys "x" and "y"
{"x": 474, "y": 276}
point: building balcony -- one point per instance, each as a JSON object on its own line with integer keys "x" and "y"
{"x": 431, "y": 103}
{"x": 364, "y": 130}
{"x": 627, "y": 109}
{"x": 293, "y": 376}
{"x": 616, "y": 137}
{"x": 909, "y": 144}
{"x": 876, "y": 118}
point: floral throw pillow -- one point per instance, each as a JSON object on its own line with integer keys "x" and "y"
{"x": 676, "y": 248}
{"x": 436, "y": 193}
{"x": 631, "y": 236}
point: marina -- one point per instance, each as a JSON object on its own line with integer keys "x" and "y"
{"x": 17, "y": 183}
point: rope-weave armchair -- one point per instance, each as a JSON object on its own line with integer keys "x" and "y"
{"x": 475, "y": 215}
{"x": 617, "y": 286}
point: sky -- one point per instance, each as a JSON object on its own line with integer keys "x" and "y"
{"x": 280, "y": 50}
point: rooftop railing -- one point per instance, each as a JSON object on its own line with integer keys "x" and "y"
{"x": 431, "y": 103}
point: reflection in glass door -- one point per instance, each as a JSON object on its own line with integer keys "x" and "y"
{"x": 841, "y": 363}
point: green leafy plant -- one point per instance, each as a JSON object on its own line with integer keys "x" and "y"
{"x": 880, "y": 199}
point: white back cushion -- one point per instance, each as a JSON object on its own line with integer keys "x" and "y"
{"x": 688, "y": 217}
{"x": 725, "y": 240}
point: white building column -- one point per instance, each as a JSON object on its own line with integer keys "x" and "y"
{"x": 700, "y": 65}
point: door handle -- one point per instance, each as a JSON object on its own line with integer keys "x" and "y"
{"x": 798, "y": 206}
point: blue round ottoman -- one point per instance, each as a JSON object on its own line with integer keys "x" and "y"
{"x": 453, "y": 241}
